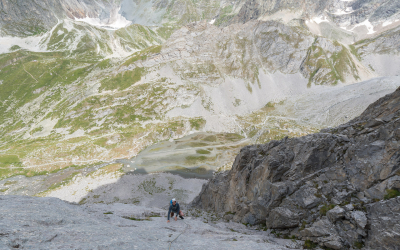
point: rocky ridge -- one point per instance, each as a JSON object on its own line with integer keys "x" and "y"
{"x": 50, "y": 223}
{"x": 337, "y": 188}
{"x": 22, "y": 18}
{"x": 25, "y": 18}
{"x": 341, "y": 12}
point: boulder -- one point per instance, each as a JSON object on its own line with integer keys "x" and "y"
{"x": 335, "y": 214}
{"x": 282, "y": 218}
{"x": 323, "y": 232}
{"x": 360, "y": 218}
{"x": 321, "y": 228}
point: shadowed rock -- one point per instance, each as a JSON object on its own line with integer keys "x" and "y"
{"x": 335, "y": 173}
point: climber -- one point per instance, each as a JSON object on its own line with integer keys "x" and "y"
{"x": 174, "y": 208}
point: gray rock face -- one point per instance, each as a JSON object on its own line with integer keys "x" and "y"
{"x": 49, "y": 223}
{"x": 300, "y": 180}
{"x": 361, "y": 10}
{"x": 282, "y": 218}
{"x": 360, "y": 218}
{"x": 382, "y": 52}
{"x": 335, "y": 214}
{"x": 323, "y": 232}
{"x": 384, "y": 224}
{"x": 245, "y": 50}
{"x": 31, "y": 17}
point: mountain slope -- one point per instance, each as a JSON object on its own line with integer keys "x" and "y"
{"x": 50, "y": 223}
{"x": 324, "y": 187}
{"x": 83, "y": 82}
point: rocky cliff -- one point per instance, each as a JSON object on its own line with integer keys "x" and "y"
{"x": 341, "y": 12}
{"x": 24, "y": 18}
{"x": 337, "y": 188}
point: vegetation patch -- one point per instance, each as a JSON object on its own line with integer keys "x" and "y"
{"x": 233, "y": 137}
{"x": 197, "y": 123}
{"x": 192, "y": 160}
{"x": 135, "y": 219}
{"x": 15, "y": 47}
{"x": 59, "y": 184}
{"x": 224, "y": 15}
{"x": 37, "y": 130}
{"x": 308, "y": 244}
{"x": 150, "y": 187}
{"x": 325, "y": 208}
{"x": 112, "y": 168}
{"x": 391, "y": 193}
{"x": 8, "y": 172}
{"x": 142, "y": 55}
{"x": 123, "y": 80}
{"x": 210, "y": 138}
{"x": 358, "y": 245}
{"x": 104, "y": 64}
{"x": 197, "y": 144}
{"x": 83, "y": 201}
{"x": 8, "y": 183}
{"x": 203, "y": 151}
{"x": 9, "y": 159}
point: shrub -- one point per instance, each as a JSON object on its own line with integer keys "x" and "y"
{"x": 391, "y": 193}
{"x": 358, "y": 245}
{"x": 325, "y": 208}
{"x": 308, "y": 244}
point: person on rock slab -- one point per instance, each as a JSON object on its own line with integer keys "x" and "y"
{"x": 174, "y": 209}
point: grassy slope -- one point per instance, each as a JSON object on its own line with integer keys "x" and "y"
{"x": 36, "y": 88}
{"x": 78, "y": 106}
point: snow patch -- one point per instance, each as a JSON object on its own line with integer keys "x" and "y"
{"x": 32, "y": 43}
{"x": 387, "y": 23}
{"x": 320, "y": 19}
{"x": 116, "y": 21}
{"x": 366, "y": 23}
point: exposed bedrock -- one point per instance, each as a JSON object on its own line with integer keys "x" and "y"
{"x": 32, "y": 17}
{"x": 337, "y": 187}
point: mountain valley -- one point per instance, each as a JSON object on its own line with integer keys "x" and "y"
{"x": 129, "y": 103}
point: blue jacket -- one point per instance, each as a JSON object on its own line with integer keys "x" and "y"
{"x": 175, "y": 209}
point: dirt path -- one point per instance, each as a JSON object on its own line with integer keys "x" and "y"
{"x": 30, "y": 74}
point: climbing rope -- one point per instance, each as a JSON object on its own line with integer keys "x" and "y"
{"x": 170, "y": 243}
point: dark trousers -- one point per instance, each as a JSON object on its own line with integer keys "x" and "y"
{"x": 180, "y": 213}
